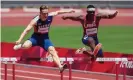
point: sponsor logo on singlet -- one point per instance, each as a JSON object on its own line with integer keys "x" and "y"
{"x": 91, "y": 31}
{"x": 43, "y": 28}
{"x": 90, "y": 25}
{"x": 91, "y": 28}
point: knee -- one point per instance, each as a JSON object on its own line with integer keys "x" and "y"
{"x": 27, "y": 44}
{"x": 52, "y": 50}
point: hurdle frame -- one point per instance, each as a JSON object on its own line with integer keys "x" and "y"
{"x": 7, "y": 60}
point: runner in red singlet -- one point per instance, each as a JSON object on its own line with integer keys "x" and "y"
{"x": 90, "y": 24}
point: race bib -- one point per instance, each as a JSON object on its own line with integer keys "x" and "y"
{"x": 91, "y": 31}
{"x": 43, "y": 30}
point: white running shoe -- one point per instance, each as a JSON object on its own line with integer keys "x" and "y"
{"x": 18, "y": 46}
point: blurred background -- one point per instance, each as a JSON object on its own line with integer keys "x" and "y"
{"x": 115, "y": 34}
{"x": 67, "y": 4}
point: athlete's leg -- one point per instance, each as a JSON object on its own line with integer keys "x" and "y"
{"x": 92, "y": 54}
{"x": 53, "y": 52}
{"x": 100, "y": 52}
{"x": 27, "y": 44}
{"x": 97, "y": 48}
{"x": 89, "y": 41}
{"x": 94, "y": 44}
{"x": 48, "y": 46}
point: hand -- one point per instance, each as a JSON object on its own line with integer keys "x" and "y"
{"x": 116, "y": 11}
{"x": 63, "y": 17}
{"x": 18, "y": 42}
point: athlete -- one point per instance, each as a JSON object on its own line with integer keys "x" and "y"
{"x": 41, "y": 24}
{"x": 90, "y": 24}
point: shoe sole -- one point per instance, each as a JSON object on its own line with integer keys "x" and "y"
{"x": 64, "y": 67}
{"x": 97, "y": 48}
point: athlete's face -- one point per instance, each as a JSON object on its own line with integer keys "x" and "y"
{"x": 91, "y": 12}
{"x": 44, "y": 14}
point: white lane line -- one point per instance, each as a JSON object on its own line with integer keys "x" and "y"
{"x": 56, "y": 75}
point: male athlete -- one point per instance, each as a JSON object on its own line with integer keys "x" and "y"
{"x": 90, "y": 25}
{"x": 41, "y": 24}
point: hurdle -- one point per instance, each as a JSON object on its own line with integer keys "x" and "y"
{"x": 62, "y": 61}
{"x": 7, "y": 60}
{"x": 117, "y": 65}
{"x": 69, "y": 61}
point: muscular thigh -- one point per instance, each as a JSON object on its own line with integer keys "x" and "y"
{"x": 27, "y": 44}
{"x": 87, "y": 40}
{"x": 46, "y": 44}
{"x": 34, "y": 39}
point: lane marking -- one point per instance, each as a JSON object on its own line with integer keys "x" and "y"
{"x": 27, "y": 77}
{"x": 56, "y": 75}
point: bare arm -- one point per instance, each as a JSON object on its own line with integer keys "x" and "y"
{"x": 74, "y": 18}
{"x": 65, "y": 11}
{"x": 61, "y": 12}
{"x": 107, "y": 15}
{"x": 27, "y": 29}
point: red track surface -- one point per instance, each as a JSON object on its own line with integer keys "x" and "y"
{"x": 25, "y": 72}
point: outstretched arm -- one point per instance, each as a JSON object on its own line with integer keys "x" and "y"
{"x": 65, "y": 11}
{"x": 27, "y": 29}
{"x": 74, "y": 18}
{"x": 61, "y": 12}
{"x": 107, "y": 15}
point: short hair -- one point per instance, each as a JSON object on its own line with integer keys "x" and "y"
{"x": 43, "y": 7}
{"x": 90, "y": 6}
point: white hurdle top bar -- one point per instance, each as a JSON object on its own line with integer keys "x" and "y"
{"x": 66, "y": 59}
{"x": 112, "y": 59}
{"x": 8, "y": 59}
